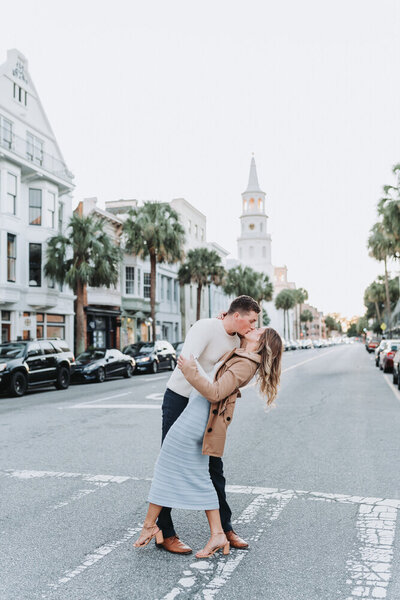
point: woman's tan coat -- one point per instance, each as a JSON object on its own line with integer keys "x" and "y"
{"x": 237, "y": 370}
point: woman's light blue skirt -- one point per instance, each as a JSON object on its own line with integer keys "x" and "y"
{"x": 181, "y": 477}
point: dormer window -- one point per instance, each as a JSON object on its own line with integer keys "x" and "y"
{"x": 20, "y": 94}
{"x": 34, "y": 149}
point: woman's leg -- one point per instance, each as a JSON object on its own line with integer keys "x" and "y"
{"x": 217, "y": 538}
{"x": 150, "y": 529}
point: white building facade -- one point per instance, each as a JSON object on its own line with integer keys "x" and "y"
{"x": 35, "y": 204}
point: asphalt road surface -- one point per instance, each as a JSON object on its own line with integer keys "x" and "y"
{"x": 314, "y": 485}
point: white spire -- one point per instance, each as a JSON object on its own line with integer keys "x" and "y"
{"x": 253, "y": 185}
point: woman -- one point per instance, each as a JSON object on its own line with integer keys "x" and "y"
{"x": 181, "y": 477}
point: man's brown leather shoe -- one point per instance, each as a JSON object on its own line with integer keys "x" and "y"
{"x": 173, "y": 544}
{"x": 235, "y": 541}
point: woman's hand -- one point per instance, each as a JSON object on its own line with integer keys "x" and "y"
{"x": 185, "y": 362}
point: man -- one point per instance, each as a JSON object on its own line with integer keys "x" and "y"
{"x": 207, "y": 340}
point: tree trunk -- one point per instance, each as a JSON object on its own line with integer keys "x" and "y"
{"x": 199, "y": 288}
{"x": 288, "y": 325}
{"x": 284, "y": 323}
{"x": 80, "y": 318}
{"x": 378, "y": 312}
{"x": 388, "y": 310}
{"x": 153, "y": 281}
{"x": 300, "y": 321}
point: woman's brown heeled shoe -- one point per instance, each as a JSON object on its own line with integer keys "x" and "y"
{"x": 157, "y": 534}
{"x": 224, "y": 547}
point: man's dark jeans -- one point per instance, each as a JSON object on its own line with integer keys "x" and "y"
{"x": 173, "y": 405}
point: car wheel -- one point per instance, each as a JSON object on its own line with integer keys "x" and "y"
{"x": 398, "y": 381}
{"x": 101, "y": 375}
{"x": 63, "y": 377}
{"x": 395, "y": 377}
{"x": 172, "y": 364}
{"x": 377, "y": 363}
{"x": 19, "y": 384}
{"x": 128, "y": 371}
{"x": 154, "y": 367}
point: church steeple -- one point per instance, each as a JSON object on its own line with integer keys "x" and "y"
{"x": 253, "y": 185}
{"x": 254, "y": 243}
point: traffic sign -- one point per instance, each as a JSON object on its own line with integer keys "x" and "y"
{"x": 383, "y": 326}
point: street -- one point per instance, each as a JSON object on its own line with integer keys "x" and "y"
{"x": 314, "y": 486}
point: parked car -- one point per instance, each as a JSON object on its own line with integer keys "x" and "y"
{"x": 151, "y": 357}
{"x": 372, "y": 344}
{"x": 178, "y": 348}
{"x": 30, "y": 364}
{"x": 396, "y": 367}
{"x": 133, "y": 349}
{"x": 98, "y": 364}
{"x": 387, "y": 355}
{"x": 379, "y": 349}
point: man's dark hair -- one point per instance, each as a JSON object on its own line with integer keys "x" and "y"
{"x": 243, "y": 304}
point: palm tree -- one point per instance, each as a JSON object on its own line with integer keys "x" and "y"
{"x": 301, "y": 295}
{"x": 375, "y": 294}
{"x": 331, "y": 324}
{"x": 381, "y": 247}
{"x": 306, "y": 316}
{"x": 285, "y": 300}
{"x": 154, "y": 230}
{"x": 389, "y": 210}
{"x": 86, "y": 255}
{"x": 202, "y": 267}
{"x": 245, "y": 281}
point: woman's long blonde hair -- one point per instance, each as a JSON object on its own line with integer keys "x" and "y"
{"x": 269, "y": 372}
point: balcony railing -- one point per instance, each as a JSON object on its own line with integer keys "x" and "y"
{"x": 22, "y": 148}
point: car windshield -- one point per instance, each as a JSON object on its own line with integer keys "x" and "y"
{"x": 147, "y": 348}
{"x": 12, "y": 350}
{"x": 91, "y": 355}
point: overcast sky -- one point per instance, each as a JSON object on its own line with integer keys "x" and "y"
{"x": 166, "y": 99}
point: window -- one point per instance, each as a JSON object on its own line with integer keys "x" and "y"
{"x": 251, "y": 204}
{"x": 6, "y": 138}
{"x": 202, "y": 235}
{"x": 129, "y": 280}
{"x": 35, "y": 207}
{"x": 51, "y": 209}
{"x": 34, "y": 149}
{"x": 55, "y": 327}
{"x": 168, "y": 281}
{"x": 261, "y": 226}
{"x": 11, "y": 204}
{"x": 35, "y": 265}
{"x": 259, "y": 204}
{"x": 189, "y": 226}
{"x": 162, "y": 282}
{"x": 196, "y": 230}
{"x": 11, "y": 256}
{"x": 264, "y": 252}
{"x": 251, "y": 251}
{"x": 175, "y": 284}
{"x": 47, "y": 348}
{"x": 138, "y": 273}
{"x": 20, "y": 94}
{"x": 60, "y": 216}
{"x": 146, "y": 285}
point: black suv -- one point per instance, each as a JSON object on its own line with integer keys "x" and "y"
{"x": 30, "y": 364}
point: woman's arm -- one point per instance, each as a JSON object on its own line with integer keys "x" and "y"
{"x": 231, "y": 380}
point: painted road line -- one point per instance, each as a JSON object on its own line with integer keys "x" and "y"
{"x": 369, "y": 569}
{"x": 96, "y": 400}
{"x": 396, "y": 392}
{"x": 29, "y": 474}
{"x": 91, "y": 559}
{"x": 209, "y": 577}
{"x": 80, "y": 406}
